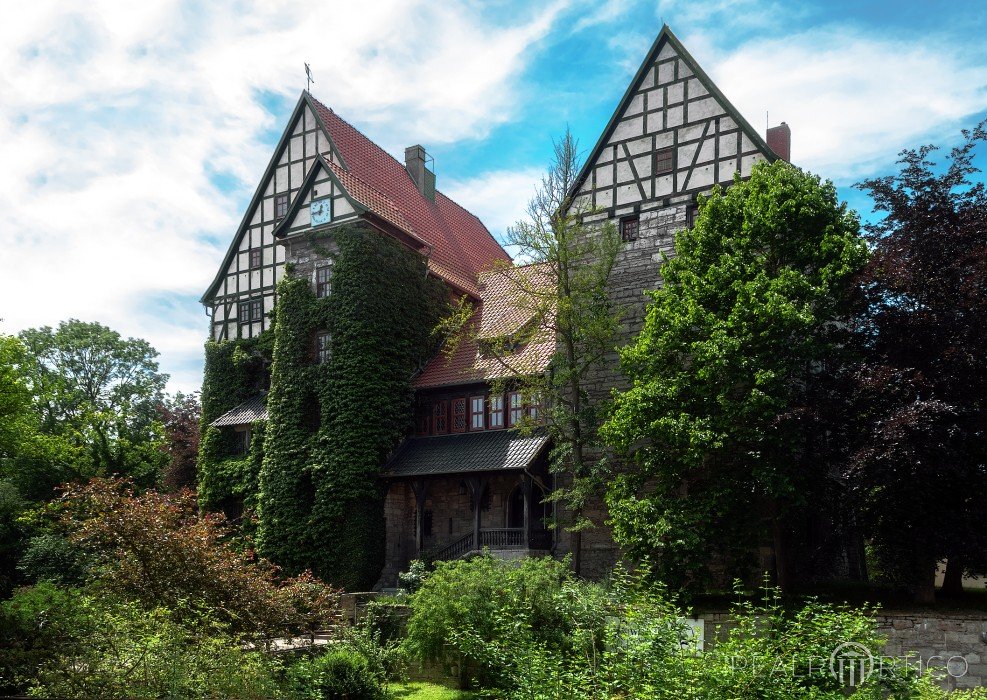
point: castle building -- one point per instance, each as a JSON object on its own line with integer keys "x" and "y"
{"x": 462, "y": 478}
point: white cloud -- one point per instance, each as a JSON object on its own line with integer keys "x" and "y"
{"x": 853, "y": 99}
{"x": 116, "y": 113}
{"x": 498, "y": 198}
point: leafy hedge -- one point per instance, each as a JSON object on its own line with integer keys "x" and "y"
{"x": 332, "y": 425}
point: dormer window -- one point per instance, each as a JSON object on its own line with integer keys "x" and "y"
{"x": 280, "y": 206}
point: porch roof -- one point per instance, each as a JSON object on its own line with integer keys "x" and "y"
{"x": 488, "y": 451}
{"x": 250, "y": 411}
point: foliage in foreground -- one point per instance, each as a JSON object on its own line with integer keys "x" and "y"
{"x": 530, "y": 630}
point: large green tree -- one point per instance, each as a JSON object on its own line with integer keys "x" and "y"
{"x": 750, "y": 310}
{"x": 920, "y": 474}
{"x": 99, "y": 392}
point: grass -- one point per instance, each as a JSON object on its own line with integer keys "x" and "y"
{"x": 420, "y": 690}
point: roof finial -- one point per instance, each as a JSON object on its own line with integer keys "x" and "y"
{"x": 308, "y": 78}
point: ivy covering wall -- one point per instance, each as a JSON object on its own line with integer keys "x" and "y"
{"x": 235, "y": 370}
{"x": 331, "y": 426}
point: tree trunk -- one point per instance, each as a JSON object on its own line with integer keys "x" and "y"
{"x": 783, "y": 574}
{"x": 952, "y": 582}
{"x": 924, "y": 590}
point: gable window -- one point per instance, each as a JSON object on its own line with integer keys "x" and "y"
{"x": 323, "y": 277}
{"x": 516, "y": 408}
{"x": 476, "y": 413}
{"x": 323, "y": 348}
{"x": 280, "y": 206}
{"x": 664, "y": 161}
{"x": 496, "y": 412}
{"x": 256, "y": 258}
{"x": 440, "y": 418}
{"x": 628, "y": 228}
{"x": 252, "y": 310}
{"x": 459, "y": 415}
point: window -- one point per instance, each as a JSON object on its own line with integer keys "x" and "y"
{"x": 323, "y": 348}
{"x": 496, "y": 412}
{"x": 628, "y": 228}
{"x": 243, "y": 441}
{"x": 691, "y": 214}
{"x": 255, "y": 258}
{"x": 459, "y": 415}
{"x": 280, "y": 206}
{"x": 252, "y": 310}
{"x": 516, "y": 408}
{"x": 534, "y": 410}
{"x": 476, "y": 413}
{"x": 440, "y": 418}
{"x": 323, "y": 275}
{"x": 664, "y": 161}
{"x": 424, "y": 420}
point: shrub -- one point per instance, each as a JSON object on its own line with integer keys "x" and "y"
{"x": 338, "y": 674}
{"x": 50, "y": 557}
{"x": 72, "y": 643}
{"x": 412, "y": 579}
{"x": 157, "y": 550}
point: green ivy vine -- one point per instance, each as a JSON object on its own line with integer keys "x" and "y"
{"x": 331, "y": 426}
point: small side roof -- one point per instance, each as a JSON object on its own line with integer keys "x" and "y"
{"x": 250, "y": 411}
{"x": 488, "y": 451}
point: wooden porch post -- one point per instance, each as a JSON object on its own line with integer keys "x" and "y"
{"x": 526, "y": 490}
{"x": 420, "y": 487}
{"x": 478, "y": 485}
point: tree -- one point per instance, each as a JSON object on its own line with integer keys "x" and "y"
{"x": 920, "y": 474}
{"x": 563, "y": 291}
{"x": 99, "y": 392}
{"x": 752, "y": 305}
{"x": 179, "y": 416}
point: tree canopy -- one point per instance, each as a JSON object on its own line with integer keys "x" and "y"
{"x": 752, "y": 304}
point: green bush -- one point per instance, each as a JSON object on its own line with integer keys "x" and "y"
{"x": 59, "y": 642}
{"x": 338, "y": 674}
{"x": 53, "y": 558}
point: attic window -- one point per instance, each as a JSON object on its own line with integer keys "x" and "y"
{"x": 664, "y": 161}
{"x": 280, "y": 206}
{"x": 629, "y": 228}
{"x": 252, "y": 310}
{"x": 255, "y": 258}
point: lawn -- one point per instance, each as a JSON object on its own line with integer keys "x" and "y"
{"x": 419, "y": 690}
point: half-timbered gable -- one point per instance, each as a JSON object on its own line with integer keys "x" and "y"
{"x": 254, "y": 262}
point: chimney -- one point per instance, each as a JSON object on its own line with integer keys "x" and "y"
{"x": 780, "y": 141}
{"x": 424, "y": 179}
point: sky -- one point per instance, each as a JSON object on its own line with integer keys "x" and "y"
{"x": 148, "y": 124}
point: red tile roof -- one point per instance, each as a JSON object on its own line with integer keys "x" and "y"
{"x": 462, "y": 247}
{"x": 509, "y": 301}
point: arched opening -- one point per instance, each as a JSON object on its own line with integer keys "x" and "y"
{"x": 540, "y": 512}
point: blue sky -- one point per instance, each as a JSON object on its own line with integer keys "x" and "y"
{"x": 132, "y": 134}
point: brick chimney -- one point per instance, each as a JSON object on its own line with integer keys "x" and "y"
{"x": 424, "y": 179}
{"x": 780, "y": 141}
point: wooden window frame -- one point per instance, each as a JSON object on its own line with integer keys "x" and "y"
{"x": 256, "y": 258}
{"x": 497, "y": 418}
{"x": 323, "y": 287}
{"x": 280, "y": 205}
{"x": 245, "y": 311}
{"x": 454, "y": 405}
{"x": 691, "y": 214}
{"x": 481, "y": 413}
{"x": 536, "y": 409}
{"x": 423, "y": 424}
{"x": 630, "y": 228}
{"x": 440, "y": 410}
{"x": 512, "y": 408}
{"x": 664, "y": 161}
{"x": 323, "y": 353}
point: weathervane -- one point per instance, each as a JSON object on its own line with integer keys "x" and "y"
{"x": 308, "y": 78}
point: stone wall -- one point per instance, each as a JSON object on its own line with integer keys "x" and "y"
{"x": 954, "y": 643}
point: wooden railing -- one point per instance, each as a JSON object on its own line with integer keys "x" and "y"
{"x": 490, "y": 538}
